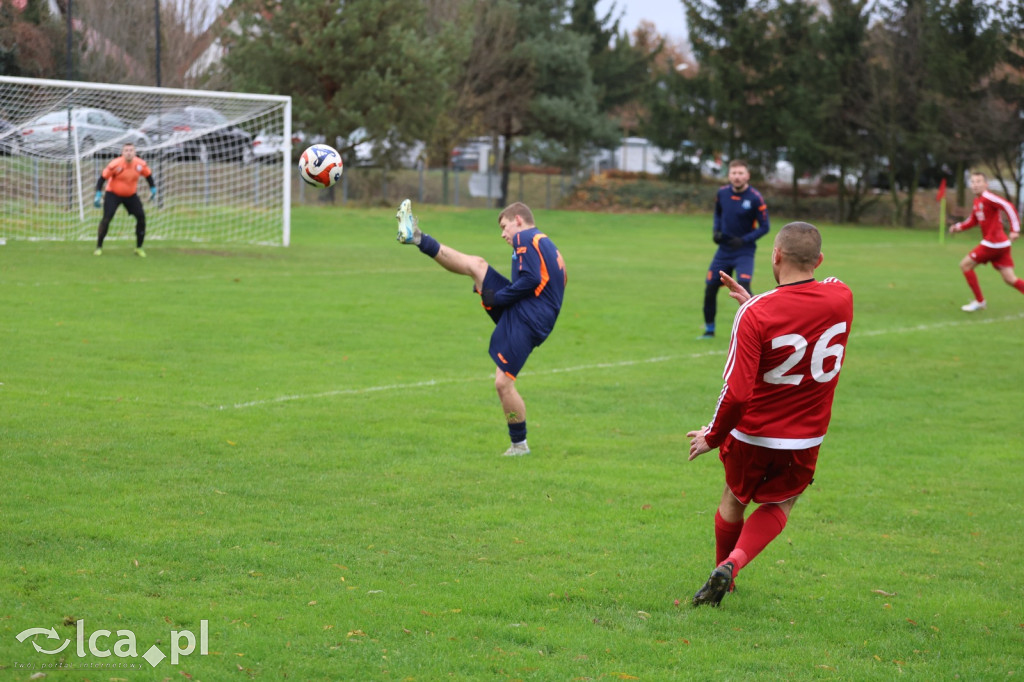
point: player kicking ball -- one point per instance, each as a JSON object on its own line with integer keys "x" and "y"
{"x": 523, "y": 309}
{"x": 785, "y": 354}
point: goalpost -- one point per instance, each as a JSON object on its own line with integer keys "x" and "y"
{"x": 221, "y": 161}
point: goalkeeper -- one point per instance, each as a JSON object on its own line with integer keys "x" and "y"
{"x": 121, "y": 177}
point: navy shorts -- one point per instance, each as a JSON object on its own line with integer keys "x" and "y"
{"x": 494, "y": 280}
{"x": 512, "y": 340}
{"x": 739, "y": 266}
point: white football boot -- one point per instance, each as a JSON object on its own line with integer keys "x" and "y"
{"x": 973, "y": 306}
{"x": 517, "y": 450}
{"x": 408, "y": 226}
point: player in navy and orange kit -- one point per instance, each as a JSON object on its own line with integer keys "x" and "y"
{"x": 781, "y": 372}
{"x": 995, "y": 244}
{"x": 524, "y": 309}
{"x": 741, "y": 218}
{"x": 121, "y": 177}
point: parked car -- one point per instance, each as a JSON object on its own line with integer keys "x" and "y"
{"x": 466, "y": 157}
{"x": 267, "y": 146}
{"x": 9, "y": 142}
{"x": 198, "y": 134}
{"x": 96, "y": 131}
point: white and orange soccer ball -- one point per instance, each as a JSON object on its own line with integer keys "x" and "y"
{"x": 320, "y": 165}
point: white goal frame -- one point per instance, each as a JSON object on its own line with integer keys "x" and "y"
{"x": 215, "y": 182}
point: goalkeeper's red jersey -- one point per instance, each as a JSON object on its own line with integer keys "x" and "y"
{"x": 985, "y": 212}
{"x": 785, "y": 354}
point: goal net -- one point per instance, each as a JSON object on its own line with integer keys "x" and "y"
{"x": 221, "y": 161}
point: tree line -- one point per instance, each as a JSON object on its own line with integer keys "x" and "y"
{"x": 889, "y": 93}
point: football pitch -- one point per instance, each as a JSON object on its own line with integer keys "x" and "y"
{"x": 293, "y": 457}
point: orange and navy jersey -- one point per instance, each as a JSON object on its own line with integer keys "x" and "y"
{"x": 741, "y": 214}
{"x": 785, "y": 355}
{"x": 985, "y": 213}
{"x": 538, "y": 281}
{"x": 123, "y": 177}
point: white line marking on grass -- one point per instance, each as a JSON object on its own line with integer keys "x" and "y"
{"x": 436, "y": 382}
{"x": 937, "y": 325}
{"x": 599, "y": 365}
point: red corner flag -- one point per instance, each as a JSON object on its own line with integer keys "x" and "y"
{"x": 941, "y": 194}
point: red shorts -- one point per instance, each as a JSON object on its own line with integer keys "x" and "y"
{"x": 999, "y": 258}
{"x": 760, "y": 474}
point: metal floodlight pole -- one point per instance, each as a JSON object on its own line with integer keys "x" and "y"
{"x": 156, "y": 3}
{"x": 159, "y": 109}
{"x": 69, "y": 42}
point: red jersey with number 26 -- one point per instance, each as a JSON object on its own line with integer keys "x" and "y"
{"x": 785, "y": 355}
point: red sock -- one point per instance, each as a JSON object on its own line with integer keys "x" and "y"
{"x": 763, "y": 526}
{"x": 726, "y": 535}
{"x": 1019, "y": 285}
{"x": 972, "y": 282}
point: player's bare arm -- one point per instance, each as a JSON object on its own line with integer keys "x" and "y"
{"x": 736, "y": 291}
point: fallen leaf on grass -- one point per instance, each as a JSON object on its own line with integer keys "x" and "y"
{"x": 356, "y": 633}
{"x": 884, "y": 593}
{"x": 625, "y": 676}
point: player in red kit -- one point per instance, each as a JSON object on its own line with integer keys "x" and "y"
{"x": 780, "y": 375}
{"x": 995, "y": 244}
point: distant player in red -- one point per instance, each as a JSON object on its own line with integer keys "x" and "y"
{"x": 785, "y": 354}
{"x": 995, "y": 244}
{"x": 121, "y": 177}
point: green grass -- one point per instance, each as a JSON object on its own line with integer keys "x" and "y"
{"x": 300, "y": 446}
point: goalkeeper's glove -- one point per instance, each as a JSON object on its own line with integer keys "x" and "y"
{"x": 735, "y": 242}
{"x": 717, "y": 237}
{"x": 98, "y": 199}
{"x": 152, "y": 193}
{"x": 488, "y": 298}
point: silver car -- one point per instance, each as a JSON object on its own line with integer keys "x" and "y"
{"x": 97, "y": 131}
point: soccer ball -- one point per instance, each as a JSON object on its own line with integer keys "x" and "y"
{"x": 320, "y": 165}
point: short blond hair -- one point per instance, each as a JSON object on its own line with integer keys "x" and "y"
{"x": 517, "y": 209}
